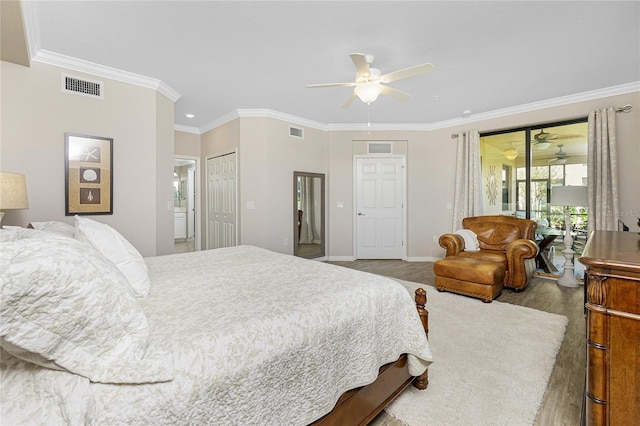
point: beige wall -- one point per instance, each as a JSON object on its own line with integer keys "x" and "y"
{"x": 431, "y": 173}
{"x": 188, "y": 144}
{"x": 286, "y": 154}
{"x": 164, "y": 173}
{"x": 268, "y": 156}
{"x": 36, "y": 114}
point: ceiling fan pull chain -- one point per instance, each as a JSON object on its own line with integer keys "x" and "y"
{"x": 369, "y": 118}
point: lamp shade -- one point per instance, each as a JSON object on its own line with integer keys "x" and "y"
{"x": 575, "y": 196}
{"x": 13, "y": 191}
{"x": 368, "y": 92}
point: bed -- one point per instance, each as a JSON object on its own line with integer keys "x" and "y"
{"x": 236, "y": 336}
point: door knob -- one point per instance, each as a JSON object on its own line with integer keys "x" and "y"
{"x": 361, "y": 214}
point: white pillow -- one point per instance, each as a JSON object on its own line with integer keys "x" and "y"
{"x": 64, "y": 306}
{"x": 12, "y": 233}
{"x": 118, "y": 250}
{"x": 55, "y": 227}
{"x": 470, "y": 239}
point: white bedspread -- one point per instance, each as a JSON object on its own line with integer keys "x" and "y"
{"x": 257, "y": 338}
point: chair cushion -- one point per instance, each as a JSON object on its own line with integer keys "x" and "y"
{"x": 469, "y": 269}
{"x": 494, "y": 235}
{"x": 493, "y": 256}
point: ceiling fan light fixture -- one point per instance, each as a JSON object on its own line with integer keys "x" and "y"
{"x": 542, "y": 145}
{"x": 510, "y": 154}
{"x": 368, "y": 92}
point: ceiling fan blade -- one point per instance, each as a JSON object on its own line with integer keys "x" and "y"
{"x": 406, "y": 73}
{"x": 568, "y": 136}
{"x": 349, "y": 101}
{"x": 395, "y": 93}
{"x": 360, "y": 61}
{"x": 312, "y": 86}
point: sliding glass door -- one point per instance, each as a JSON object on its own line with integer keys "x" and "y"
{"x": 525, "y": 164}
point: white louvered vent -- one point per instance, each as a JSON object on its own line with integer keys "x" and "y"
{"x": 82, "y": 86}
{"x": 379, "y": 147}
{"x": 296, "y": 132}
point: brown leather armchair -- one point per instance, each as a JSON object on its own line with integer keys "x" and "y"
{"x": 505, "y": 239}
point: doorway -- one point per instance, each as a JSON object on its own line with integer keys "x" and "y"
{"x": 379, "y": 201}
{"x": 186, "y": 204}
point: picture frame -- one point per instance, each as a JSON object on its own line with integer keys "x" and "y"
{"x": 88, "y": 174}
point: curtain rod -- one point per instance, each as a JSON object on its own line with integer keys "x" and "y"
{"x": 625, "y": 108}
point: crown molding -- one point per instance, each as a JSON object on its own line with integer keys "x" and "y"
{"x": 262, "y": 113}
{"x": 230, "y": 116}
{"x": 30, "y": 26}
{"x": 29, "y": 15}
{"x": 378, "y": 126}
{"x": 186, "y": 129}
{"x": 293, "y": 119}
{"x": 63, "y": 61}
{"x": 621, "y": 89}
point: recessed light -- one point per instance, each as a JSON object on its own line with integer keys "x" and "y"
{"x": 189, "y": 115}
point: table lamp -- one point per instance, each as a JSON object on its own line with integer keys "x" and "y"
{"x": 568, "y": 196}
{"x": 13, "y": 192}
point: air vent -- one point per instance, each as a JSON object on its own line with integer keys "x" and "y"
{"x": 82, "y": 86}
{"x": 379, "y": 147}
{"x": 296, "y": 132}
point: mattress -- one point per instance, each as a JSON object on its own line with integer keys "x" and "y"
{"x": 256, "y": 338}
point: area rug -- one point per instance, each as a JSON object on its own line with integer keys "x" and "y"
{"x": 492, "y": 363}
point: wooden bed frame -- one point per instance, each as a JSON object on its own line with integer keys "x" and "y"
{"x": 361, "y": 405}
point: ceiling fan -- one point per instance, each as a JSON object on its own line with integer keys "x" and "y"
{"x": 560, "y": 156}
{"x": 369, "y": 82}
{"x": 543, "y": 139}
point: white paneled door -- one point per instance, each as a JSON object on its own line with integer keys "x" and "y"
{"x": 221, "y": 201}
{"x": 379, "y": 208}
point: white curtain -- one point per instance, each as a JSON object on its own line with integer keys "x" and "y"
{"x": 306, "y": 205}
{"x": 468, "y": 189}
{"x": 602, "y": 170}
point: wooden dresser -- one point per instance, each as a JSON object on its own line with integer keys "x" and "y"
{"x": 612, "y": 279}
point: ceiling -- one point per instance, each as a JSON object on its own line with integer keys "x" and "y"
{"x": 221, "y": 56}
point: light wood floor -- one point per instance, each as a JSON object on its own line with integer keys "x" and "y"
{"x": 184, "y": 246}
{"x": 562, "y": 402}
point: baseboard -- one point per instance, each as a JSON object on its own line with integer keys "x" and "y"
{"x": 423, "y": 259}
{"x": 408, "y": 259}
{"x": 341, "y": 259}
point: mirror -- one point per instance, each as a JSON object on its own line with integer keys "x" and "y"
{"x": 308, "y": 215}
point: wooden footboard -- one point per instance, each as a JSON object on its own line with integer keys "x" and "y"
{"x": 361, "y": 405}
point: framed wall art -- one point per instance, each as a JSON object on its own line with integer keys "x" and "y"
{"x": 88, "y": 175}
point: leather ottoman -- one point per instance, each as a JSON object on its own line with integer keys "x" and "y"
{"x": 471, "y": 277}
